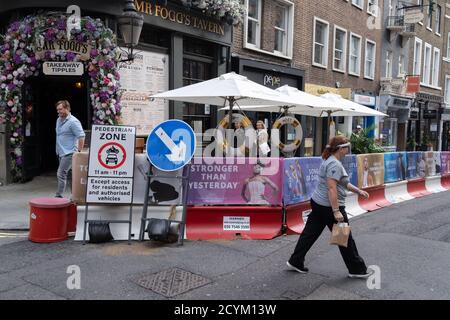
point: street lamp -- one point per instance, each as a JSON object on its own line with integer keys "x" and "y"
{"x": 130, "y": 24}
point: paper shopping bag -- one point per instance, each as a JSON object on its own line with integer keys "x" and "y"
{"x": 340, "y": 234}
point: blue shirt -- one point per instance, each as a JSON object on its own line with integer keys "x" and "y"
{"x": 68, "y": 131}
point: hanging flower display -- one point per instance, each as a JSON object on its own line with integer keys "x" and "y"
{"x": 23, "y": 49}
{"x": 230, "y": 10}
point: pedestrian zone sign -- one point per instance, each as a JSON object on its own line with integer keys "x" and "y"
{"x": 111, "y": 164}
{"x": 171, "y": 145}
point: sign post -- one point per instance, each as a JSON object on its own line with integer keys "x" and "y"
{"x": 111, "y": 169}
{"x": 170, "y": 147}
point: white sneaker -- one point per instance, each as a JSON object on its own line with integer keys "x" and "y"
{"x": 301, "y": 270}
{"x": 364, "y": 275}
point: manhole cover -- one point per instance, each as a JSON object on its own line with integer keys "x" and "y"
{"x": 171, "y": 282}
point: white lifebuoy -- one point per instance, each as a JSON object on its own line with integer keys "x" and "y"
{"x": 291, "y": 147}
{"x": 245, "y": 122}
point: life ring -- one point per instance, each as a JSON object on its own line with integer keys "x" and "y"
{"x": 291, "y": 147}
{"x": 245, "y": 122}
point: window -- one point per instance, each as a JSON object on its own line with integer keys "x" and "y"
{"x": 447, "y": 89}
{"x": 430, "y": 20}
{"x": 448, "y": 45}
{"x": 358, "y": 3}
{"x": 340, "y": 49}
{"x": 435, "y": 70}
{"x": 417, "y": 57}
{"x": 372, "y": 7}
{"x": 355, "y": 55}
{"x": 391, "y": 11}
{"x": 426, "y": 64}
{"x": 320, "y": 54}
{"x": 281, "y": 17}
{"x": 388, "y": 71}
{"x": 401, "y": 65}
{"x": 437, "y": 28}
{"x": 254, "y": 23}
{"x": 369, "y": 68}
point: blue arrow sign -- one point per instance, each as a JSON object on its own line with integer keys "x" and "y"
{"x": 171, "y": 145}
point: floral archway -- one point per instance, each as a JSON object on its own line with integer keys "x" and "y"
{"x": 19, "y": 60}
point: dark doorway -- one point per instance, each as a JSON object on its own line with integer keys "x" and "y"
{"x": 41, "y": 94}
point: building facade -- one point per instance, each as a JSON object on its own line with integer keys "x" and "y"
{"x": 340, "y": 52}
{"x": 445, "y": 81}
{"x": 425, "y": 52}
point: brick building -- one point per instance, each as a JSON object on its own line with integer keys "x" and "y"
{"x": 322, "y": 46}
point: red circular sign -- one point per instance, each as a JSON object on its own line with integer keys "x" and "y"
{"x": 117, "y": 164}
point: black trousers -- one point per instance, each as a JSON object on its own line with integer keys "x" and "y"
{"x": 317, "y": 220}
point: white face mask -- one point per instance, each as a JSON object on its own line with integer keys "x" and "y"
{"x": 257, "y": 170}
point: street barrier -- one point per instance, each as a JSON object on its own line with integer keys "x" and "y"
{"x": 433, "y": 184}
{"x": 296, "y": 216}
{"x": 352, "y": 206}
{"x": 417, "y": 188}
{"x": 233, "y": 222}
{"x": 376, "y": 200}
{"x": 397, "y": 192}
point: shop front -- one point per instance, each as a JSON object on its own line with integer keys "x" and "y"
{"x": 42, "y": 65}
{"x": 275, "y": 76}
{"x": 427, "y": 125}
{"x": 445, "y": 117}
{"x": 368, "y": 100}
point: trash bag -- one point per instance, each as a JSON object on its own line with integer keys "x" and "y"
{"x": 158, "y": 229}
{"x": 163, "y": 191}
{"x": 99, "y": 232}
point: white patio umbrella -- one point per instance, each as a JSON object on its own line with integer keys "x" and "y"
{"x": 350, "y": 108}
{"x": 229, "y": 88}
{"x": 299, "y": 102}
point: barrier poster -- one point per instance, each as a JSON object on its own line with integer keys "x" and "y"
{"x": 230, "y": 181}
{"x": 394, "y": 166}
{"x": 433, "y": 163}
{"x": 350, "y": 166}
{"x": 411, "y": 169}
{"x": 300, "y": 179}
{"x": 445, "y": 163}
{"x": 370, "y": 170}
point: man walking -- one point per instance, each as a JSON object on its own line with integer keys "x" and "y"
{"x": 69, "y": 139}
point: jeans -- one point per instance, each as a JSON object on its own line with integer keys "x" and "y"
{"x": 65, "y": 164}
{"x": 317, "y": 220}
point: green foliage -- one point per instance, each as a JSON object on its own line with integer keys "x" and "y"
{"x": 362, "y": 143}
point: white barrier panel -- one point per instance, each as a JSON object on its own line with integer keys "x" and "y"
{"x": 120, "y": 230}
{"x": 433, "y": 184}
{"x": 352, "y": 206}
{"x": 397, "y": 192}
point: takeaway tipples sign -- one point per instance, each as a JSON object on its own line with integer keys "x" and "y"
{"x": 60, "y": 68}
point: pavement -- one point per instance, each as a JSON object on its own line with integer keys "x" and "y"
{"x": 409, "y": 243}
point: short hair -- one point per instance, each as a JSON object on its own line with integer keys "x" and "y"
{"x": 64, "y": 103}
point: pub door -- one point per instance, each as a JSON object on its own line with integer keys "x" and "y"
{"x": 39, "y": 121}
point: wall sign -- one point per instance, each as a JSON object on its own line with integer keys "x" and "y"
{"x": 148, "y": 75}
{"x": 82, "y": 49}
{"x": 59, "y": 68}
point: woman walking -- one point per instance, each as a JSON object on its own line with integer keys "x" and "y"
{"x": 328, "y": 207}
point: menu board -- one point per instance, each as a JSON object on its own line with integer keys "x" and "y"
{"x": 146, "y": 76}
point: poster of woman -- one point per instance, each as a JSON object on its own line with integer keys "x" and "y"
{"x": 300, "y": 179}
{"x": 370, "y": 170}
{"x": 232, "y": 183}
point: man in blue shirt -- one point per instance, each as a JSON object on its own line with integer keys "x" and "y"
{"x": 69, "y": 139}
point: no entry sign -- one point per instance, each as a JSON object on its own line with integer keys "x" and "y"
{"x": 111, "y": 164}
